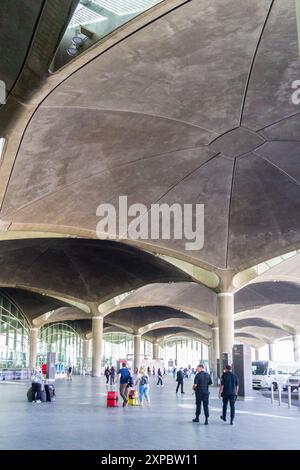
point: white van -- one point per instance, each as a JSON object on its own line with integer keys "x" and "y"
{"x": 265, "y": 373}
{"x": 294, "y": 380}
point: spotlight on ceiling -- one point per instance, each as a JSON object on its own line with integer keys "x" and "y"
{"x": 72, "y": 51}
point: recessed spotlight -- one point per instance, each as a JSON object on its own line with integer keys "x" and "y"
{"x": 72, "y": 51}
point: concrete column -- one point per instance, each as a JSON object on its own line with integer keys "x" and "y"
{"x": 256, "y": 354}
{"x": 155, "y": 351}
{"x": 296, "y": 345}
{"x": 33, "y": 347}
{"x": 201, "y": 352}
{"x": 136, "y": 351}
{"x": 272, "y": 351}
{"x": 215, "y": 349}
{"x": 85, "y": 352}
{"x": 225, "y": 311}
{"x": 97, "y": 332}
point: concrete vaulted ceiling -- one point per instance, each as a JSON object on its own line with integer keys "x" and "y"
{"x": 177, "y": 112}
{"x": 87, "y": 270}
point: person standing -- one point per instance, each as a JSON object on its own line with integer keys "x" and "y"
{"x": 125, "y": 383}
{"x": 112, "y": 375}
{"x": 179, "y": 380}
{"x": 201, "y": 385}
{"x": 37, "y": 382}
{"x": 159, "y": 378}
{"x": 69, "y": 373}
{"x": 229, "y": 389}
{"x": 107, "y": 374}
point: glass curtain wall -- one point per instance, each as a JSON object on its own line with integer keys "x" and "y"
{"x": 118, "y": 346}
{"x": 65, "y": 339}
{"x": 182, "y": 352}
{"x": 14, "y": 335}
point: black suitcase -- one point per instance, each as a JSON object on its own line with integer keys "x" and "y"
{"x": 29, "y": 394}
{"x": 43, "y": 396}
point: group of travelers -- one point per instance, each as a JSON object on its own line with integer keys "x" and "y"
{"x": 110, "y": 375}
{"x": 41, "y": 389}
{"x": 140, "y": 382}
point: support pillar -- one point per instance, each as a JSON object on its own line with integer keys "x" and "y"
{"x": 296, "y": 345}
{"x": 97, "y": 332}
{"x": 136, "y": 351}
{"x": 225, "y": 311}
{"x": 33, "y": 347}
{"x": 257, "y": 354}
{"x": 155, "y": 351}
{"x": 85, "y": 352}
{"x": 215, "y": 351}
{"x": 272, "y": 351}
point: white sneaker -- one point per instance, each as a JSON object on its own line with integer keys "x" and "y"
{"x": 38, "y": 401}
{"x": 33, "y": 401}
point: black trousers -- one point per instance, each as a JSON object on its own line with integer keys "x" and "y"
{"x": 202, "y": 397}
{"x": 231, "y": 399}
{"x": 159, "y": 381}
{"x": 178, "y": 385}
{"x": 107, "y": 379}
{"x": 36, "y": 391}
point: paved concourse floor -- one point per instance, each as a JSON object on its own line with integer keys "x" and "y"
{"x": 79, "y": 419}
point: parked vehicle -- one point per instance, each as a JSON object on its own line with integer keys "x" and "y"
{"x": 266, "y": 373}
{"x": 294, "y": 380}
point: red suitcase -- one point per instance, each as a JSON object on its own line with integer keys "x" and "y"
{"x": 112, "y": 399}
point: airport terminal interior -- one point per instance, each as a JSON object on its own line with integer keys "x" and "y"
{"x": 170, "y": 104}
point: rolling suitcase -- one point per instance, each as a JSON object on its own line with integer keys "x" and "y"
{"x": 112, "y": 399}
{"x": 43, "y": 396}
{"x": 133, "y": 398}
{"x": 29, "y": 394}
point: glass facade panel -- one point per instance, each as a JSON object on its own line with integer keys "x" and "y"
{"x": 65, "y": 339}
{"x": 182, "y": 352}
{"x": 92, "y": 21}
{"x": 14, "y": 335}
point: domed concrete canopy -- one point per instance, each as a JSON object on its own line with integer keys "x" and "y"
{"x": 177, "y": 112}
{"x": 87, "y": 270}
{"x": 31, "y": 303}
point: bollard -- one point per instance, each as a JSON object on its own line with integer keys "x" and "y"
{"x": 289, "y": 396}
{"x": 272, "y": 394}
{"x": 279, "y": 395}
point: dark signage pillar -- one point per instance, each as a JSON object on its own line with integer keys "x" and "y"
{"x": 242, "y": 368}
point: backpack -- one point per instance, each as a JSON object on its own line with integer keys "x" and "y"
{"x": 144, "y": 380}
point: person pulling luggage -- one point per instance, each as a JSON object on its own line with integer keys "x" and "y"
{"x": 125, "y": 382}
{"x": 201, "y": 385}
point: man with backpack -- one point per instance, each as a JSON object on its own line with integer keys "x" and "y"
{"x": 125, "y": 382}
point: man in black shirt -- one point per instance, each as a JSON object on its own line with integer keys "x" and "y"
{"x": 201, "y": 383}
{"x": 179, "y": 380}
{"x": 229, "y": 390}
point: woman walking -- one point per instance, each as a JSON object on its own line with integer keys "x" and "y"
{"x": 142, "y": 383}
